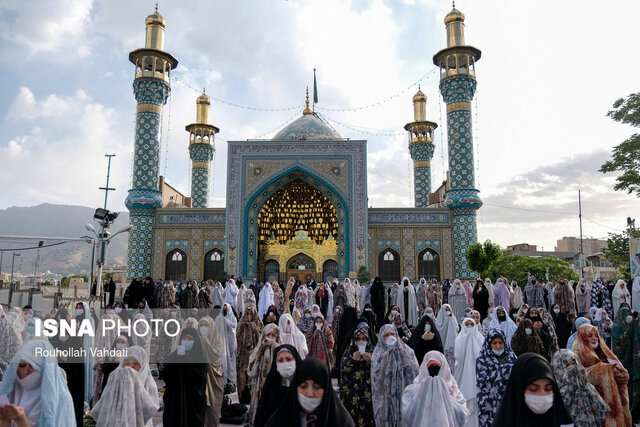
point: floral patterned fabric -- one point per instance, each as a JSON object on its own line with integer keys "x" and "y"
{"x": 355, "y": 384}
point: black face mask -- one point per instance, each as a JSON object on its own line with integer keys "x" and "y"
{"x": 406, "y": 282}
{"x": 502, "y": 318}
{"x": 224, "y": 312}
{"x": 433, "y": 370}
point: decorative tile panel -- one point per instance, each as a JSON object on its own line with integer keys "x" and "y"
{"x": 176, "y": 244}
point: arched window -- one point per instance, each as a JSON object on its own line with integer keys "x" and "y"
{"x": 429, "y": 264}
{"x": 329, "y": 270}
{"x": 213, "y": 264}
{"x": 176, "y": 265}
{"x": 389, "y": 265}
{"x": 271, "y": 271}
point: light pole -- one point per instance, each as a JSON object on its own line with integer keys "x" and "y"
{"x": 13, "y": 260}
{"x": 103, "y": 237}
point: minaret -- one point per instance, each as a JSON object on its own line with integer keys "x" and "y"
{"x": 421, "y": 148}
{"x": 458, "y": 85}
{"x": 151, "y": 88}
{"x": 201, "y": 149}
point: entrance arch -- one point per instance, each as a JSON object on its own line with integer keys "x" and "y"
{"x": 389, "y": 265}
{"x": 249, "y": 259}
{"x": 329, "y": 270}
{"x": 429, "y": 264}
{"x": 301, "y": 267}
{"x": 272, "y": 271}
{"x": 175, "y": 267}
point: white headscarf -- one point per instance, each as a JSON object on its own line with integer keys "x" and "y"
{"x": 433, "y": 400}
{"x": 447, "y": 327}
{"x": 227, "y": 326}
{"x": 635, "y": 299}
{"x": 49, "y": 403}
{"x": 620, "y": 294}
{"x": 508, "y": 326}
{"x": 468, "y": 345}
{"x": 412, "y": 310}
{"x": 265, "y": 299}
{"x": 130, "y": 396}
{"x": 290, "y": 334}
{"x": 230, "y": 293}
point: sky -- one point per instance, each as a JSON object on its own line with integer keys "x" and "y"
{"x": 549, "y": 73}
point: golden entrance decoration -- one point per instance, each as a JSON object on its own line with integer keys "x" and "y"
{"x": 297, "y": 222}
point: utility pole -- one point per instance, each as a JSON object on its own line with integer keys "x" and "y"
{"x": 581, "y": 251}
{"x": 35, "y": 269}
{"x": 104, "y": 224}
{"x": 13, "y": 260}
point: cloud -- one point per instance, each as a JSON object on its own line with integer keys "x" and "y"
{"x": 62, "y": 159}
{"x": 544, "y": 200}
{"x": 46, "y": 26}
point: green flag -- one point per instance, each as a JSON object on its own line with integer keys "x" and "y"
{"x": 315, "y": 88}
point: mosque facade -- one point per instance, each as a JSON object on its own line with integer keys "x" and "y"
{"x": 297, "y": 204}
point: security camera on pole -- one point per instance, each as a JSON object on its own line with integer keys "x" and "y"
{"x": 105, "y": 218}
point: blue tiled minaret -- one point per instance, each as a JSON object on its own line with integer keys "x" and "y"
{"x": 201, "y": 149}
{"x": 421, "y": 148}
{"x": 151, "y": 88}
{"x": 457, "y": 86}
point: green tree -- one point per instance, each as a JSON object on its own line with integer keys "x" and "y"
{"x": 64, "y": 282}
{"x": 516, "y": 267}
{"x": 363, "y": 275}
{"x": 480, "y": 257}
{"x": 625, "y": 157}
{"x": 617, "y": 250}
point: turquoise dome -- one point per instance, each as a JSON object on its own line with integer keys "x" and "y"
{"x": 307, "y": 127}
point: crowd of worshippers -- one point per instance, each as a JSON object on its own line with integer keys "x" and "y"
{"x": 452, "y": 353}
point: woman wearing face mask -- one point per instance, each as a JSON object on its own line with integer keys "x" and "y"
{"x": 277, "y": 383}
{"x": 311, "y": 401}
{"x": 458, "y": 301}
{"x": 425, "y": 337}
{"x": 212, "y": 348}
{"x": 503, "y": 322}
{"x": 487, "y": 321}
{"x": 516, "y": 295}
{"x": 561, "y": 325}
{"x": 620, "y": 295}
{"x": 421, "y": 295}
{"x": 468, "y": 345}
{"x": 105, "y": 366}
{"x": 532, "y": 397}
{"x": 131, "y": 378}
{"x": 579, "y": 322}
{"x": 226, "y": 323}
{"x": 447, "y": 325}
{"x": 584, "y": 404}
{"x": 480, "y": 299}
{"x": 291, "y": 335}
{"x": 493, "y": 368}
{"x": 271, "y": 316}
{"x": 605, "y": 372}
{"x": 527, "y": 340}
{"x": 320, "y": 341}
{"x": 355, "y": 379}
{"x": 401, "y": 328}
{"x": 36, "y": 389}
{"x": 185, "y": 376}
{"x": 10, "y": 340}
{"x": 393, "y": 367}
{"x": 260, "y": 363}
{"x": 434, "y": 397}
{"x": 248, "y": 337}
{"x": 306, "y": 321}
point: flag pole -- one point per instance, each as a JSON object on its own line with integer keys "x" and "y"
{"x": 315, "y": 91}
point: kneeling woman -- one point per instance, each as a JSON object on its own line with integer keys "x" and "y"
{"x": 532, "y": 397}
{"x": 312, "y": 402}
{"x": 36, "y": 389}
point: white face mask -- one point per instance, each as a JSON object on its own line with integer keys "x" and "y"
{"x": 286, "y": 369}
{"x": 556, "y": 310}
{"x": 468, "y": 326}
{"x": 498, "y": 352}
{"x": 118, "y": 310}
{"x": 529, "y": 331}
{"x": 594, "y": 345}
{"x": 204, "y": 331}
{"x": 307, "y": 315}
{"x": 32, "y": 380}
{"x": 629, "y": 319}
{"x": 427, "y": 327}
{"x": 309, "y": 403}
{"x": 391, "y": 340}
{"x": 318, "y": 326}
{"x": 539, "y": 404}
{"x": 121, "y": 346}
{"x": 79, "y": 312}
